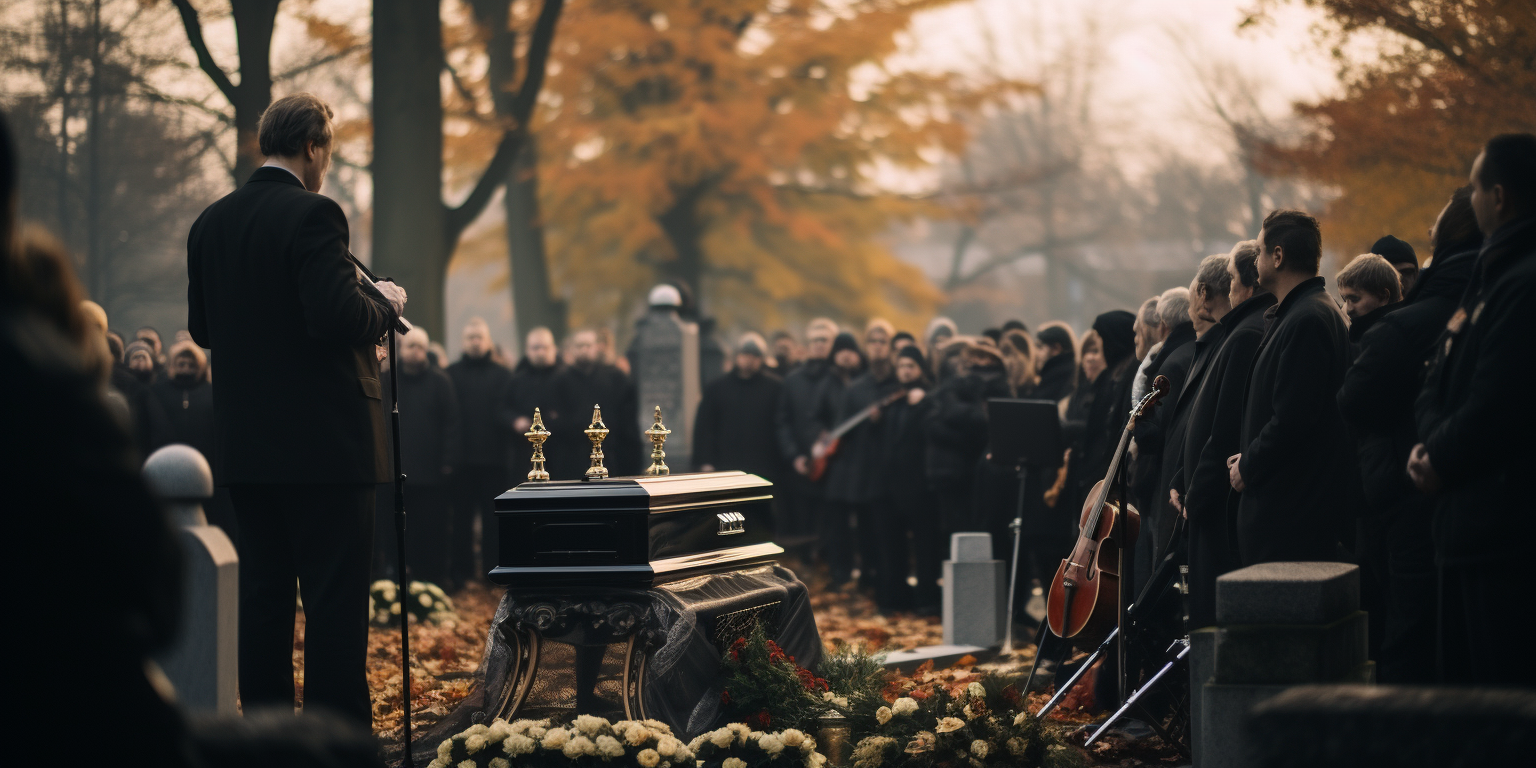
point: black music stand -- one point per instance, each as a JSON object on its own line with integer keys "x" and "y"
{"x": 1024, "y": 435}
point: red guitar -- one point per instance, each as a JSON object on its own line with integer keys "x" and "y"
{"x": 826, "y": 445}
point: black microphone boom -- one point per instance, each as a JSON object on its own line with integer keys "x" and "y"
{"x": 402, "y": 325}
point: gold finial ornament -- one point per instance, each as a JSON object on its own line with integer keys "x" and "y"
{"x": 596, "y": 432}
{"x": 537, "y": 434}
{"x": 658, "y": 435}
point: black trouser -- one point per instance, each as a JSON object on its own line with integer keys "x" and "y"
{"x": 1408, "y": 640}
{"x": 475, "y": 492}
{"x": 910, "y": 539}
{"x": 320, "y": 536}
{"x": 1484, "y": 613}
{"x": 837, "y": 538}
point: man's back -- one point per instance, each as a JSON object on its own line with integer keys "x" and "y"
{"x": 272, "y": 293}
{"x": 483, "y": 388}
{"x": 1298, "y": 463}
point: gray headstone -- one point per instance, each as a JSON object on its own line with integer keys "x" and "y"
{"x": 1333, "y": 726}
{"x": 975, "y": 600}
{"x": 970, "y": 547}
{"x": 1202, "y": 664}
{"x": 203, "y": 663}
{"x": 667, "y": 374}
{"x": 1291, "y": 653}
{"x": 1288, "y": 593}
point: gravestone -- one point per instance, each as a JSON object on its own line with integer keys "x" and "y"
{"x": 1277, "y": 625}
{"x": 975, "y": 606}
{"x": 203, "y": 662}
{"x": 666, "y": 370}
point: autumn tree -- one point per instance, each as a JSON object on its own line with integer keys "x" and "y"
{"x": 737, "y": 145}
{"x": 1403, "y": 133}
{"x": 414, "y": 229}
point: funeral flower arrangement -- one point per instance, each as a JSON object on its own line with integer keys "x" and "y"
{"x": 426, "y": 602}
{"x": 586, "y": 741}
{"x": 737, "y": 746}
{"x": 765, "y": 688}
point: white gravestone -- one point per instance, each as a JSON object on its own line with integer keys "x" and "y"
{"x": 975, "y": 607}
{"x": 203, "y": 662}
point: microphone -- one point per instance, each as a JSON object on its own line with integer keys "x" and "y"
{"x": 402, "y": 325}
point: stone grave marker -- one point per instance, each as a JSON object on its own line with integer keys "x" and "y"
{"x": 203, "y": 662}
{"x": 666, "y": 370}
{"x": 975, "y": 606}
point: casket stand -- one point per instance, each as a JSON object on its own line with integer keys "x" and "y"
{"x": 621, "y": 597}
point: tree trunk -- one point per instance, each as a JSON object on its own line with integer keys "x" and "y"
{"x": 686, "y": 233}
{"x": 254, "y": 20}
{"x": 411, "y": 242}
{"x": 532, "y": 302}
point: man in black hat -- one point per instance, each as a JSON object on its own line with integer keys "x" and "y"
{"x": 1400, "y": 255}
{"x": 734, "y": 426}
{"x": 837, "y": 512}
{"x": 1296, "y": 471}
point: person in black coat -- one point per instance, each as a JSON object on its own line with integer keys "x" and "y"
{"x": 957, "y": 434}
{"x": 849, "y": 479}
{"x": 1394, "y": 546}
{"x": 1370, "y": 290}
{"x": 1297, "y": 469}
{"x": 1172, "y": 360}
{"x": 797, "y": 425}
{"x": 586, "y": 382}
{"x": 1110, "y": 402}
{"x": 1058, "y": 362}
{"x": 912, "y": 535}
{"x": 1475, "y": 450}
{"x": 734, "y": 428}
{"x": 299, "y": 422}
{"x": 179, "y": 409}
{"x": 483, "y": 389}
{"x": 1200, "y": 488}
{"x": 430, "y": 443}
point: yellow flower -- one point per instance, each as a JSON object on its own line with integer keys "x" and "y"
{"x": 949, "y": 724}
{"x": 608, "y": 746}
{"x": 637, "y": 735}
{"x": 883, "y": 715}
{"x": 904, "y": 706}
{"x": 648, "y": 758}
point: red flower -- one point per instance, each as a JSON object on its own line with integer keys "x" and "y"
{"x": 725, "y": 698}
{"x": 761, "y": 720}
{"x": 737, "y": 647}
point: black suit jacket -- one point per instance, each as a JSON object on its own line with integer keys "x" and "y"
{"x": 1299, "y": 465}
{"x": 272, "y": 293}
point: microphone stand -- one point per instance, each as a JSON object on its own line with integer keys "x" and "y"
{"x": 400, "y": 577}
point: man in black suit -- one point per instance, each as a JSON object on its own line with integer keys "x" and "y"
{"x": 1297, "y": 470}
{"x": 1200, "y": 486}
{"x": 1172, "y": 360}
{"x": 298, "y": 414}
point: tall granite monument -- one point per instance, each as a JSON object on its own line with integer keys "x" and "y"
{"x": 665, "y": 363}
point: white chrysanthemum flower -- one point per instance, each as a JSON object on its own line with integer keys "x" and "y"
{"x": 815, "y": 760}
{"x": 637, "y": 735}
{"x": 444, "y": 749}
{"x": 477, "y": 728}
{"x": 517, "y": 744}
{"x": 827, "y": 695}
{"x": 468, "y": 764}
{"x": 976, "y": 689}
{"x": 668, "y": 746}
{"x": 474, "y": 743}
{"x": 949, "y": 724}
{"x": 883, "y": 715}
{"x": 904, "y": 706}
{"x": 500, "y": 762}
{"x": 555, "y": 739}
{"x": 608, "y": 746}
{"x": 979, "y": 749}
{"x": 425, "y": 600}
{"x": 589, "y": 725}
{"x": 438, "y": 763}
{"x": 648, "y": 758}
{"x": 657, "y": 726}
{"x": 394, "y": 609}
{"x": 499, "y": 730}
{"x": 771, "y": 744}
{"x": 734, "y": 762}
{"x": 722, "y": 738}
{"x": 579, "y": 746}
{"x": 792, "y": 737}
{"x": 537, "y": 732}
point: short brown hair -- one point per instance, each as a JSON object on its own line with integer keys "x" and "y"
{"x": 292, "y": 123}
{"x": 1372, "y": 274}
{"x": 1300, "y": 236}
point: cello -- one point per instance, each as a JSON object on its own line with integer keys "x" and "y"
{"x": 1085, "y": 592}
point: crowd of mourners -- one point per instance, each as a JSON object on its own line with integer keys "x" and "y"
{"x": 1383, "y": 426}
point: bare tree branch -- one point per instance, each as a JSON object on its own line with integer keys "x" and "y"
{"x": 154, "y": 94}
{"x": 320, "y": 62}
{"x": 194, "y": 29}
{"x": 460, "y": 216}
{"x": 538, "y": 60}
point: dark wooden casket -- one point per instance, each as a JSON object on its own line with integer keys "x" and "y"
{"x": 632, "y": 531}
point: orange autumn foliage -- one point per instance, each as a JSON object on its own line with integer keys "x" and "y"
{"x": 1404, "y": 132}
